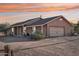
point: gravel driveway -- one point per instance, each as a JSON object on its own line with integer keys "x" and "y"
{"x": 58, "y": 46}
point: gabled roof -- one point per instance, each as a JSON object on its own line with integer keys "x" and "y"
{"x": 41, "y": 21}
{"x": 38, "y": 21}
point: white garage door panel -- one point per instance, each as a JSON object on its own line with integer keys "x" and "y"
{"x": 56, "y": 31}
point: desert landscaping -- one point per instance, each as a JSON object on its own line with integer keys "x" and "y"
{"x": 65, "y": 46}
{"x": 39, "y": 29}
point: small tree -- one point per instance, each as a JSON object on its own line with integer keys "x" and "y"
{"x": 37, "y": 35}
{"x": 76, "y": 27}
{"x": 4, "y": 27}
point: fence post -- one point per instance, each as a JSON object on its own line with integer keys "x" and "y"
{"x": 6, "y": 50}
{"x": 12, "y": 53}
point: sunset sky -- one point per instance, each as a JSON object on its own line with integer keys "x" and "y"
{"x": 12, "y": 13}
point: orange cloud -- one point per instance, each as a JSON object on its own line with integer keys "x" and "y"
{"x": 37, "y": 7}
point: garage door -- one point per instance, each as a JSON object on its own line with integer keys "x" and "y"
{"x": 56, "y": 31}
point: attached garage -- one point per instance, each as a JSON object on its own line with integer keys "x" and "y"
{"x": 59, "y": 27}
{"x": 56, "y": 31}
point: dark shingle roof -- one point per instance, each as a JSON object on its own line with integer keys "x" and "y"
{"x": 36, "y": 21}
{"x": 27, "y": 22}
{"x": 32, "y": 21}
{"x": 42, "y": 21}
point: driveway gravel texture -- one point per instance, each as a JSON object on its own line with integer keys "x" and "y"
{"x": 58, "y": 46}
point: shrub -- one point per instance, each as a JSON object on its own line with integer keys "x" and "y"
{"x": 37, "y": 35}
{"x": 76, "y": 27}
{"x": 4, "y": 28}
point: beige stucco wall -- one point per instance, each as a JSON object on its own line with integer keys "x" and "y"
{"x": 60, "y": 23}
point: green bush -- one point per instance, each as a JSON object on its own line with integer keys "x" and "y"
{"x": 37, "y": 35}
{"x": 4, "y": 28}
{"x": 76, "y": 27}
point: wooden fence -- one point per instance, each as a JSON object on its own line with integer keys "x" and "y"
{"x": 6, "y": 51}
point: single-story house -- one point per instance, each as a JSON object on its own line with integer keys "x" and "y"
{"x": 52, "y": 26}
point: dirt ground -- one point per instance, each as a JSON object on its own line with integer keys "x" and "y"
{"x": 59, "y": 46}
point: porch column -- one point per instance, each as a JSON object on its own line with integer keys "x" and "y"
{"x": 12, "y": 30}
{"x": 17, "y": 30}
{"x": 34, "y": 29}
{"x": 24, "y": 30}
